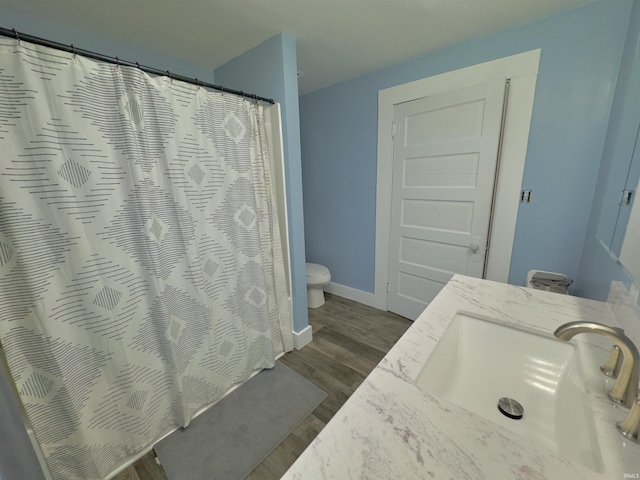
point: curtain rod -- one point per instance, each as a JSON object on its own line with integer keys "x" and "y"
{"x": 116, "y": 61}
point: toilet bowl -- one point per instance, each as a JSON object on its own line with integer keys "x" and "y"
{"x": 317, "y": 277}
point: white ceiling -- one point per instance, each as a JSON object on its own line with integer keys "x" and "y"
{"x": 336, "y": 39}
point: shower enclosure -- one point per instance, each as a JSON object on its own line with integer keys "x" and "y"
{"x": 142, "y": 268}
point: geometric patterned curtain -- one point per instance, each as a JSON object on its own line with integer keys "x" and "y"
{"x": 141, "y": 268}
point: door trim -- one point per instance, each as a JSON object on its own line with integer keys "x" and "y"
{"x": 522, "y": 69}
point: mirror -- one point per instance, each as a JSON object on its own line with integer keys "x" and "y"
{"x": 626, "y": 204}
{"x": 612, "y": 213}
{"x": 622, "y": 149}
{"x": 630, "y": 253}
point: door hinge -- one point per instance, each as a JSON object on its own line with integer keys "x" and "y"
{"x": 388, "y": 288}
{"x": 626, "y": 198}
{"x": 393, "y": 129}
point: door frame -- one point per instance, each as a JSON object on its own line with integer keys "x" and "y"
{"x": 522, "y": 70}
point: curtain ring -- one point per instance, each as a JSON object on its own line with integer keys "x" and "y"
{"x": 73, "y": 49}
{"x": 15, "y": 32}
{"x": 222, "y": 90}
{"x": 169, "y": 75}
{"x": 117, "y": 62}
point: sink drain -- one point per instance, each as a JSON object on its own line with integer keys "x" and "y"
{"x": 510, "y": 408}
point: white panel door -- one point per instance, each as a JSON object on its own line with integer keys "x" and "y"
{"x": 445, "y": 152}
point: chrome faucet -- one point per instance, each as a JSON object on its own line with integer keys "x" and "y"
{"x": 630, "y": 426}
{"x": 611, "y": 367}
{"x": 625, "y": 389}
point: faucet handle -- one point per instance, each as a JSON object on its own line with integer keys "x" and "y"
{"x": 629, "y": 426}
{"x": 611, "y": 367}
{"x": 625, "y": 390}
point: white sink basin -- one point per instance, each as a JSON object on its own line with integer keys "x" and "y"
{"x": 478, "y": 361}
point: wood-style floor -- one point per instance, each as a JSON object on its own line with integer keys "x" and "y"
{"x": 349, "y": 339}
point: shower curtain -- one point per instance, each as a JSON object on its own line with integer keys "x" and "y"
{"x": 141, "y": 269}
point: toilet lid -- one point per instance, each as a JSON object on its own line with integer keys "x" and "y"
{"x": 317, "y": 271}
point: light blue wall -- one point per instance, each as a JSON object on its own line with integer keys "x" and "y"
{"x": 270, "y": 70}
{"x": 598, "y": 269}
{"x": 63, "y": 33}
{"x": 581, "y": 52}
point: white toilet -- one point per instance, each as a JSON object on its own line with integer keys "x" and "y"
{"x": 317, "y": 277}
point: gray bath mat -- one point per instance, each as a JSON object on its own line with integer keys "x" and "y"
{"x": 231, "y": 438}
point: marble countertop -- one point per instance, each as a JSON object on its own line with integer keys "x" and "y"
{"x": 390, "y": 429}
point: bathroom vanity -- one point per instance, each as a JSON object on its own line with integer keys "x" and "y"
{"x": 403, "y": 422}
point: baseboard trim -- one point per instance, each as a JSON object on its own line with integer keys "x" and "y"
{"x": 349, "y": 293}
{"x": 300, "y": 339}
